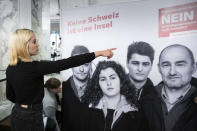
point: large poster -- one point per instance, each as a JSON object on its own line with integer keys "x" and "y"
{"x": 118, "y": 25}
{"x": 176, "y": 20}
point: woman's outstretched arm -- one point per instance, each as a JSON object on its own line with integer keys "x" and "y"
{"x": 106, "y": 53}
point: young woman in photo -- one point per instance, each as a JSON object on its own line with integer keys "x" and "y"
{"x": 111, "y": 100}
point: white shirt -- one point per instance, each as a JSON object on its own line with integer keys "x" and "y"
{"x": 49, "y": 99}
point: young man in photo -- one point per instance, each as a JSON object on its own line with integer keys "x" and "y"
{"x": 140, "y": 56}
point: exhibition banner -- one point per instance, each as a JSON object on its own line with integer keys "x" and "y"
{"x": 181, "y": 18}
{"x": 157, "y": 22}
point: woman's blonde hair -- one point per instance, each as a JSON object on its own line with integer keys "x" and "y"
{"x": 18, "y": 46}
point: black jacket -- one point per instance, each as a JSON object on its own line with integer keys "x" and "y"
{"x": 194, "y": 81}
{"x": 151, "y": 106}
{"x": 124, "y": 118}
{"x": 72, "y": 109}
{"x": 96, "y": 121}
{"x": 78, "y": 116}
{"x": 147, "y": 89}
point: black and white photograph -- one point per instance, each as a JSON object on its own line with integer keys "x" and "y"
{"x": 98, "y": 65}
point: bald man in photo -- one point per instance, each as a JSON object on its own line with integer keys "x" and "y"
{"x": 172, "y": 106}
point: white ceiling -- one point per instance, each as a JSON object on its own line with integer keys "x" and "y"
{"x": 54, "y": 10}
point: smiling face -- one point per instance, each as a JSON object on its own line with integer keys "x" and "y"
{"x": 139, "y": 67}
{"x": 176, "y": 67}
{"x": 109, "y": 82}
{"x": 33, "y": 46}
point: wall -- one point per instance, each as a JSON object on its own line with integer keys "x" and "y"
{"x": 14, "y": 14}
{"x": 8, "y": 22}
{"x": 31, "y": 14}
{"x": 41, "y": 27}
{"x": 55, "y": 27}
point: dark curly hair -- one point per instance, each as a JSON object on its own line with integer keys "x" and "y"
{"x": 93, "y": 92}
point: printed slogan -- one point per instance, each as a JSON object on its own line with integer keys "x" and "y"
{"x": 177, "y": 19}
{"x": 92, "y": 23}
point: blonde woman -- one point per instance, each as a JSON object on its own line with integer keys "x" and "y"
{"x": 25, "y": 78}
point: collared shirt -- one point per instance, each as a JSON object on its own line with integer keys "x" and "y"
{"x": 138, "y": 93}
{"x": 173, "y": 111}
{"x": 166, "y": 99}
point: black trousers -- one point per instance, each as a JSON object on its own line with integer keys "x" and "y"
{"x": 29, "y": 119}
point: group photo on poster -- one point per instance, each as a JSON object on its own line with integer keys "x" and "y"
{"x": 150, "y": 82}
{"x": 98, "y": 65}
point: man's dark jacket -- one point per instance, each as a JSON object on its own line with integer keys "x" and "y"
{"x": 71, "y": 108}
{"x": 151, "y": 106}
{"x": 194, "y": 81}
{"x": 147, "y": 89}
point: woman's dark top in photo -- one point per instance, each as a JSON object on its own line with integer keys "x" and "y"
{"x": 97, "y": 122}
{"x": 109, "y": 119}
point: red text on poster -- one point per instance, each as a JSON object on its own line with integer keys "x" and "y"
{"x": 177, "y": 19}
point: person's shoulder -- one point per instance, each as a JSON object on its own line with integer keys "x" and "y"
{"x": 153, "y": 94}
{"x": 132, "y": 114}
{"x": 8, "y": 68}
{"x": 66, "y": 83}
{"x": 148, "y": 87}
{"x": 149, "y": 82}
{"x": 67, "y": 80}
{"x": 67, "y": 90}
{"x": 156, "y": 90}
{"x": 93, "y": 110}
{"x": 194, "y": 82}
{"x": 46, "y": 95}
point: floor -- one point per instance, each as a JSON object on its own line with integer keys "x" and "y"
{"x": 5, "y": 125}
